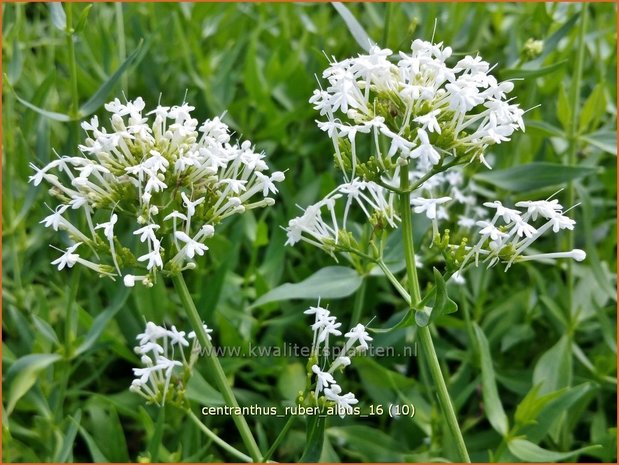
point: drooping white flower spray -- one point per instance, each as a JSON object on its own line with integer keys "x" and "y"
{"x": 159, "y": 174}
{"x": 325, "y": 325}
{"x": 167, "y": 356}
{"x": 509, "y": 232}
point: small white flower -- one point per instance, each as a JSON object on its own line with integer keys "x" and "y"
{"x": 323, "y": 379}
{"x": 108, "y": 227}
{"x": 192, "y": 247}
{"x": 428, "y": 206}
{"x": 344, "y": 403}
{"x": 360, "y": 335}
{"x": 68, "y": 258}
{"x": 147, "y": 233}
{"x": 491, "y": 231}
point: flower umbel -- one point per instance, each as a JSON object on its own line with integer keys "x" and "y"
{"x": 159, "y": 174}
{"x": 168, "y": 356}
{"x": 327, "y": 390}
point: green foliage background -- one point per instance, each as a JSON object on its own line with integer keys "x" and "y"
{"x": 554, "y": 368}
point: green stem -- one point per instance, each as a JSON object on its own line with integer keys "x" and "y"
{"x": 396, "y": 283}
{"x": 424, "y": 332}
{"x": 216, "y": 439}
{"x": 572, "y": 136}
{"x": 215, "y": 367}
{"x": 358, "y": 305}
{"x": 72, "y": 61}
{"x": 122, "y": 48}
{"x": 280, "y": 437}
{"x": 388, "y": 6}
{"x": 70, "y": 324}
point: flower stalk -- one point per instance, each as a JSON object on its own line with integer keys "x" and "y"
{"x": 425, "y": 337}
{"x": 215, "y": 367}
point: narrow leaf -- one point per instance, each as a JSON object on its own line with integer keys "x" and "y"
{"x": 83, "y": 19}
{"x": 101, "y": 95}
{"x": 25, "y": 371}
{"x": 101, "y": 321}
{"x": 593, "y": 108}
{"x": 64, "y": 454}
{"x": 554, "y": 368}
{"x": 57, "y": 15}
{"x": 441, "y": 305}
{"x": 49, "y": 114}
{"x": 603, "y": 140}
{"x": 355, "y": 28}
{"x": 155, "y": 440}
{"x": 529, "y": 452}
{"x": 95, "y": 451}
{"x": 530, "y": 73}
{"x": 492, "y": 403}
{"x": 315, "y": 436}
{"x": 564, "y": 109}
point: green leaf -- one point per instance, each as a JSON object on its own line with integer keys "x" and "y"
{"x": 533, "y": 176}
{"x": 355, "y": 28}
{"x": 442, "y": 304}
{"x": 95, "y": 452}
{"x": 101, "y": 321}
{"x": 553, "y": 370}
{"x": 64, "y": 453}
{"x": 201, "y": 392}
{"x": 83, "y": 19}
{"x": 530, "y": 73}
{"x": 49, "y": 114}
{"x": 493, "y": 407}
{"x": 554, "y": 410}
{"x": 370, "y": 444}
{"x": 551, "y": 43}
{"x": 155, "y": 441}
{"x": 603, "y": 140}
{"x": 25, "y": 371}
{"x": 564, "y": 110}
{"x": 16, "y": 64}
{"x": 546, "y": 129}
{"x": 57, "y": 15}
{"x": 332, "y": 282}
{"x": 291, "y": 381}
{"x": 45, "y": 330}
{"x": 594, "y": 107}
{"x": 101, "y": 94}
{"x": 529, "y": 452}
{"x": 315, "y": 436}
{"x": 530, "y": 407}
{"x": 409, "y": 319}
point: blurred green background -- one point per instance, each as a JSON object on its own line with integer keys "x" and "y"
{"x": 258, "y": 63}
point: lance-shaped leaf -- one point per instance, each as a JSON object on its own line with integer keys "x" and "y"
{"x": 442, "y": 305}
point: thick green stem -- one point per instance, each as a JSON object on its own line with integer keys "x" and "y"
{"x": 215, "y": 367}
{"x": 216, "y": 439}
{"x": 572, "y": 135}
{"x": 424, "y": 332}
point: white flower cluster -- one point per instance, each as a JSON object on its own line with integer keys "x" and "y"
{"x": 162, "y": 352}
{"x": 509, "y": 232}
{"x": 171, "y": 180}
{"x": 325, "y": 325}
{"x": 411, "y": 108}
{"x": 375, "y": 201}
{"x": 426, "y": 109}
